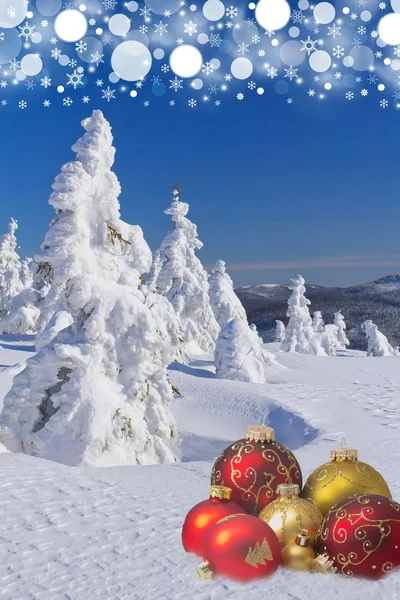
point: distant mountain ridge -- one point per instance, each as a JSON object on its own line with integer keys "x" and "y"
{"x": 377, "y": 300}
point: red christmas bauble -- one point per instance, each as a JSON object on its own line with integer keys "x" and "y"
{"x": 361, "y": 535}
{"x": 241, "y": 547}
{"x": 202, "y": 517}
{"x": 253, "y": 468}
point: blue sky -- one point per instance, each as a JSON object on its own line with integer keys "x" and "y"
{"x": 271, "y": 187}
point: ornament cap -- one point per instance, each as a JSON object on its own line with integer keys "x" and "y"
{"x": 302, "y": 538}
{"x": 344, "y": 454}
{"x": 260, "y": 433}
{"x": 203, "y": 572}
{"x": 288, "y": 489}
{"x": 220, "y": 491}
{"x": 323, "y": 564}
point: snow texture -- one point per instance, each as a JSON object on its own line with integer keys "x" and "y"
{"x": 378, "y": 344}
{"x": 300, "y": 336}
{"x": 318, "y": 322}
{"x": 339, "y": 321}
{"x": 238, "y": 353}
{"x": 183, "y": 280}
{"x": 224, "y": 302}
{"x": 115, "y": 533}
{"x": 97, "y": 393}
{"x": 329, "y": 339}
{"x": 280, "y": 331}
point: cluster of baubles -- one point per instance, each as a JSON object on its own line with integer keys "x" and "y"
{"x": 258, "y": 516}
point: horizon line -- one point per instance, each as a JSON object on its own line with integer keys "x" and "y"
{"x": 328, "y": 262}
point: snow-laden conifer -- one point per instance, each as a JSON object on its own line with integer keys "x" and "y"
{"x": 97, "y": 393}
{"x": 183, "y": 280}
{"x": 224, "y": 302}
{"x": 318, "y": 322}
{"x": 341, "y": 325}
{"x": 10, "y": 269}
{"x": 378, "y": 344}
{"x": 280, "y": 332}
{"x": 238, "y": 353}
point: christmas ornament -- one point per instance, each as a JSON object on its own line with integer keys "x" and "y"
{"x": 202, "y": 517}
{"x": 288, "y": 513}
{"x": 253, "y": 467}
{"x": 240, "y": 547}
{"x": 341, "y": 478}
{"x": 323, "y": 564}
{"x": 361, "y": 535}
{"x": 298, "y": 555}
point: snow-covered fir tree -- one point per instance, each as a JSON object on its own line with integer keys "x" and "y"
{"x": 10, "y": 269}
{"x": 341, "y": 325}
{"x": 97, "y": 393}
{"x": 300, "y": 336}
{"x": 238, "y": 353}
{"x": 26, "y": 274}
{"x": 318, "y": 322}
{"x": 184, "y": 281}
{"x": 224, "y": 302}
{"x": 329, "y": 339}
{"x": 280, "y": 331}
{"x": 378, "y": 344}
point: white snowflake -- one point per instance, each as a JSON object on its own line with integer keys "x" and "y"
{"x": 107, "y": 40}
{"x": 272, "y": 72}
{"x": 396, "y": 51}
{"x": 145, "y": 12}
{"x": 22, "y": 104}
{"x": 311, "y": 93}
{"x": 374, "y": 33}
{"x": 251, "y": 85}
{"x": 99, "y": 83}
{"x": 213, "y": 89}
{"x": 291, "y": 73}
{"x": 256, "y": 39}
{"x": 72, "y": 63}
{"x": 75, "y": 79}
{"x": 172, "y": 102}
{"x": 364, "y": 92}
{"x": 229, "y": 24}
{"x": 228, "y": 77}
{"x": 231, "y": 12}
{"x": 179, "y": 41}
{"x": 338, "y": 51}
{"x": 217, "y": 103}
{"x": 269, "y": 32}
{"x": 298, "y": 16}
{"x": 80, "y": 70}
{"x": 81, "y": 47}
{"x": 250, "y": 22}
{"x": 349, "y": 95}
{"x": 308, "y": 45}
{"x": 67, "y": 101}
{"x": 240, "y": 96}
{"x": 109, "y": 4}
{"x": 356, "y": 42}
{"x": 53, "y": 40}
{"x": 46, "y": 103}
{"x": 15, "y": 64}
{"x": 372, "y": 79}
{"x": 353, "y": 16}
{"x": 11, "y": 11}
{"x": 192, "y": 103}
{"x": 45, "y": 82}
{"x": 4, "y": 102}
{"x": 207, "y": 68}
{"x": 378, "y": 54}
{"x": 3, "y": 83}
{"x": 361, "y": 30}
{"x": 261, "y": 53}
{"x": 85, "y": 99}
{"x": 44, "y": 23}
{"x": 165, "y": 68}
{"x": 176, "y": 84}
{"x": 382, "y": 5}
{"x": 26, "y": 30}
{"x": 97, "y": 58}
{"x": 108, "y": 94}
{"x": 30, "y": 85}
{"x": 160, "y": 28}
{"x": 215, "y": 40}
{"x": 143, "y": 29}
{"x": 193, "y": 8}
{"x": 289, "y": 100}
{"x": 243, "y": 48}
{"x": 334, "y": 31}
{"x": 190, "y": 28}
{"x": 384, "y": 103}
{"x": 2, "y": 36}
{"x": 92, "y": 22}
{"x": 338, "y": 75}
{"x": 167, "y": 14}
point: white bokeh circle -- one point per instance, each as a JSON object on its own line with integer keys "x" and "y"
{"x": 272, "y": 14}
{"x": 70, "y": 25}
{"x": 131, "y": 60}
{"x": 324, "y": 13}
{"x": 241, "y": 68}
{"x": 119, "y": 24}
{"x": 185, "y": 60}
{"x": 31, "y": 64}
{"x": 389, "y": 29}
{"x": 213, "y": 10}
{"x": 320, "y": 61}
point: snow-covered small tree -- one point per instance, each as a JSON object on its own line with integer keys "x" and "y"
{"x": 10, "y": 269}
{"x": 96, "y": 393}
{"x": 300, "y": 336}
{"x": 378, "y": 344}
{"x": 26, "y": 274}
{"x": 238, "y": 353}
{"x": 184, "y": 281}
{"x": 224, "y": 302}
{"x": 280, "y": 331}
{"x": 341, "y": 325}
{"x": 318, "y": 322}
{"x": 329, "y": 339}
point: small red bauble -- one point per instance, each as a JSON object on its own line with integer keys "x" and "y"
{"x": 202, "y": 517}
{"x": 361, "y": 535}
{"x": 253, "y": 468}
{"x": 241, "y": 547}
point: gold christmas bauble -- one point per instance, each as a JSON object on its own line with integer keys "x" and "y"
{"x": 289, "y": 513}
{"x": 341, "y": 478}
{"x": 298, "y": 555}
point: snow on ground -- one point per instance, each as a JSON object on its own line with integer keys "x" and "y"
{"x": 114, "y": 533}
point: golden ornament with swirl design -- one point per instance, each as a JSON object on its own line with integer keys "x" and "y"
{"x": 288, "y": 514}
{"x": 341, "y": 478}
